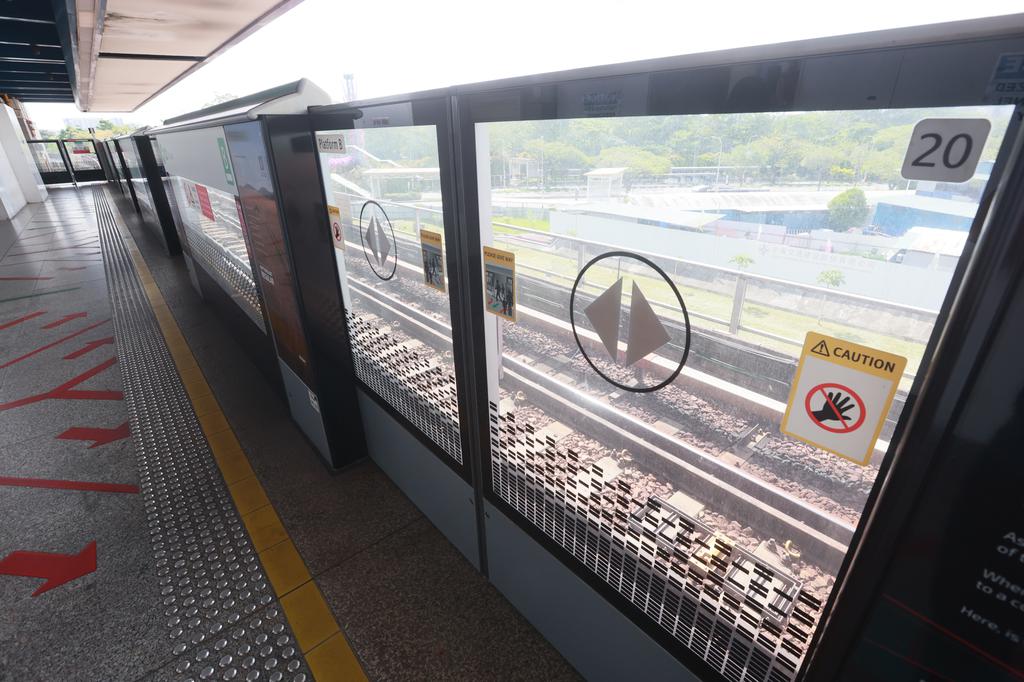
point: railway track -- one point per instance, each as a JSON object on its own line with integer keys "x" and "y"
{"x": 822, "y": 537}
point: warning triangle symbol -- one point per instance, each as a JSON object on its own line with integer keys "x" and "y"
{"x": 821, "y": 349}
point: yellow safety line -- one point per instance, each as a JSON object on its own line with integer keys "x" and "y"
{"x": 327, "y": 652}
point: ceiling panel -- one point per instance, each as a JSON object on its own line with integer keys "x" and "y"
{"x": 123, "y": 84}
{"x": 182, "y": 27}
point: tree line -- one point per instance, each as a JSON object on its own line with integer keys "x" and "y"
{"x": 849, "y": 147}
{"x": 105, "y": 129}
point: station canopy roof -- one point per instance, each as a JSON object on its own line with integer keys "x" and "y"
{"x": 115, "y": 55}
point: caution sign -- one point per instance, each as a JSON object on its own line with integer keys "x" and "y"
{"x": 500, "y": 282}
{"x": 841, "y": 396}
{"x": 337, "y": 227}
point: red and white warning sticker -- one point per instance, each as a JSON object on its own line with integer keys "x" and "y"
{"x": 841, "y": 396}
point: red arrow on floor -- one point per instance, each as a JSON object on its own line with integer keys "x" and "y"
{"x": 66, "y": 318}
{"x": 24, "y": 318}
{"x": 56, "y": 569}
{"x": 98, "y": 435}
{"x": 89, "y": 347}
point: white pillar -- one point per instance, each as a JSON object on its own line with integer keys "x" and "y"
{"x": 15, "y": 148}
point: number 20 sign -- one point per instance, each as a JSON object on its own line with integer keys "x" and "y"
{"x": 945, "y": 149}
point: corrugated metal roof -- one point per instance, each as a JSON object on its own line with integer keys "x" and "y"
{"x": 653, "y": 215}
{"x": 964, "y": 209}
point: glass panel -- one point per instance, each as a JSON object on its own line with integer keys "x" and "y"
{"x": 712, "y": 243}
{"x": 47, "y": 157}
{"x": 82, "y": 154}
{"x": 385, "y": 187}
{"x": 211, "y": 223}
{"x": 115, "y": 162}
{"x": 138, "y": 177}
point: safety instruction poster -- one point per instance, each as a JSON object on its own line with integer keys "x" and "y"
{"x": 433, "y": 262}
{"x": 190, "y": 194}
{"x": 204, "y": 202}
{"x": 337, "y": 227}
{"x": 841, "y": 396}
{"x": 500, "y": 283}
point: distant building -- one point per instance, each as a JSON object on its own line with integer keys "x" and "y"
{"x": 523, "y": 170}
{"x": 931, "y": 247}
{"x": 403, "y": 181}
{"x": 604, "y": 183}
{"x": 896, "y": 215}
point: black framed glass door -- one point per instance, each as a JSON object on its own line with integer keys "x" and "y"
{"x": 84, "y": 160}
{"x": 388, "y": 185}
{"x": 51, "y": 161}
{"x": 650, "y": 253}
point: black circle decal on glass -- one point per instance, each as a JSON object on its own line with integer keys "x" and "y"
{"x": 378, "y": 248}
{"x": 646, "y": 334}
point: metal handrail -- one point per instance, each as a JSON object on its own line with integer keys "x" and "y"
{"x": 717, "y": 268}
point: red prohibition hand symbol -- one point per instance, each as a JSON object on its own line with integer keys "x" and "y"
{"x": 835, "y": 403}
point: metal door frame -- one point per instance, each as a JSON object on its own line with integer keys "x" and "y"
{"x": 88, "y": 175}
{"x": 55, "y": 177}
{"x": 888, "y": 69}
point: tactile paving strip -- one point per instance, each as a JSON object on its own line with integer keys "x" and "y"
{"x": 222, "y": 620}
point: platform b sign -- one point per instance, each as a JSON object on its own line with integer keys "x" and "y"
{"x": 841, "y": 395}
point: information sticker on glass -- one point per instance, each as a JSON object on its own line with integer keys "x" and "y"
{"x": 433, "y": 262}
{"x": 337, "y": 227}
{"x": 500, "y": 283}
{"x": 225, "y": 159}
{"x": 841, "y": 396}
{"x": 330, "y": 143}
{"x": 190, "y": 194}
{"x": 945, "y": 149}
{"x": 1007, "y": 84}
{"x": 204, "y": 202}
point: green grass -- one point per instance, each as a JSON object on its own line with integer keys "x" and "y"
{"x": 532, "y": 223}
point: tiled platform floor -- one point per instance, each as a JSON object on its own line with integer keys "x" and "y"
{"x": 55, "y": 326}
{"x": 410, "y": 606}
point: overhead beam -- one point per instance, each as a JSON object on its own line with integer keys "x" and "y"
{"x": 12, "y": 88}
{"x": 31, "y": 51}
{"x": 30, "y": 60}
{"x": 24, "y": 44}
{"x": 12, "y": 77}
{"x": 30, "y": 67}
{"x": 25, "y": 20}
{"x": 27, "y": 9}
{"x": 151, "y": 57}
{"x": 35, "y": 34}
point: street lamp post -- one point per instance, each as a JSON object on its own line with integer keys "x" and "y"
{"x": 718, "y": 168}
